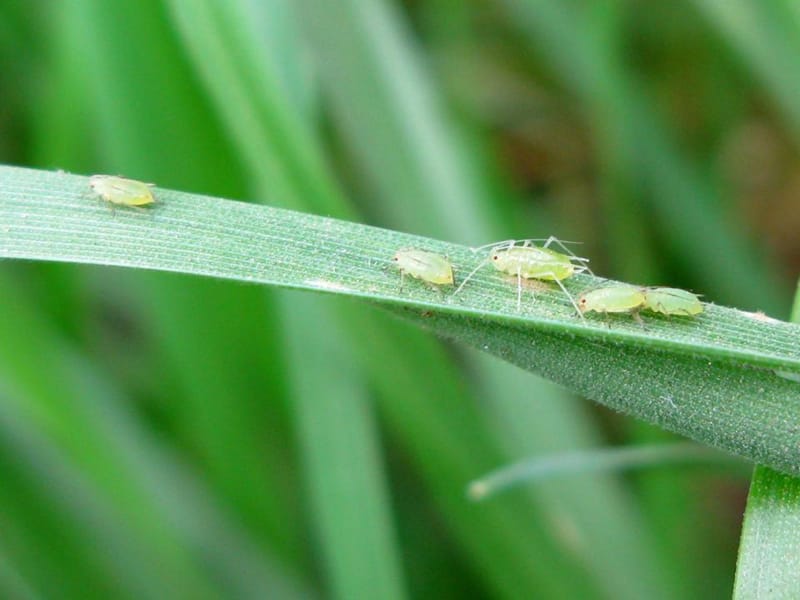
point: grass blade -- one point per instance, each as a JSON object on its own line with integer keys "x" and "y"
{"x": 606, "y": 459}
{"x": 769, "y": 561}
{"x": 704, "y": 367}
{"x": 344, "y": 471}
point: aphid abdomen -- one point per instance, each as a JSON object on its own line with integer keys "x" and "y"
{"x": 616, "y": 298}
{"x": 532, "y": 262}
{"x": 428, "y": 266}
{"x": 121, "y": 191}
{"x": 548, "y": 270}
{"x": 672, "y": 301}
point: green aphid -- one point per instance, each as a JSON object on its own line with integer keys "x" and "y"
{"x": 528, "y": 261}
{"x": 532, "y": 262}
{"x": 672, "y": 301}
{"x": 631, "y": 299}
{"x": 122, "y": 191}
{"x": 614, "y": 298}
{"x": 430, "y": 267}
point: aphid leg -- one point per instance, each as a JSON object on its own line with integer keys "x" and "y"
{"x": 638, "y": 318}
{"x": 519, "y": 289}
{"x": 552, "y": 239}
{"x": 471, "y": 273}
{"x": 554, "y": 277}
{"x": 402, "y": 278}
{"x": 568, "y": 295}
{"x": 105, "y": 205}
{"x": 436, "y": 289}
{"x": 563, "y": 248}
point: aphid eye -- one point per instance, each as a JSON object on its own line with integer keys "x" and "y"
{"x": 495, "y": 256}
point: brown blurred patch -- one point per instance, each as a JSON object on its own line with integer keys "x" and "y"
{"x": 763, "y": 169}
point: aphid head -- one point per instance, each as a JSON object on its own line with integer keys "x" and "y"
{"x": 398, "y": 255}
{"x": 582, "y": 304}
{"x": 499, "y": 259}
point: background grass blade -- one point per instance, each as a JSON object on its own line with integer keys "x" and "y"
{"x": 768, "y": 562}
{"x": 768, "y": 557}
{"x": 74, "y": 432}
{"x": 344, "y": 469}
{"x": 608, "y": 459}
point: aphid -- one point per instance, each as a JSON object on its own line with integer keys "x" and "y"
{"x": 672, "y": 301}
{"x": 118, "y": 190}
{"x": 533, "y": 262}
{"x": 626, "y": 298}
{"x": 430, "y": 267}
{"x": 614, "y": 298}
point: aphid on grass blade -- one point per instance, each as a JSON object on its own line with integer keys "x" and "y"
{"x": 614, "y": 298}
{"x": 121, "y": 191}
{"x": 672, "y": 301}
{"x": 430, "y": 267}
{"x": 528, "y": 261}
{"x": 626, "y": 298}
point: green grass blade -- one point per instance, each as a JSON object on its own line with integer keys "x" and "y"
{"x": 389, "y": 107}
{"x": 267, "y": 114}
{"x": 130, "y": 505}
{"x": 765, "y": 35}
{"x": 691, "y": 376}
{"x": 769, "y": 561}
{"x": 49, "y": 216}
{"x": 12, "y": 584}
{"x": 339, "y": 442}
{"x": 600, "y": 459}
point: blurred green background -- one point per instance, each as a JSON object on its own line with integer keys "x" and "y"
{"x": 168, "y": 437}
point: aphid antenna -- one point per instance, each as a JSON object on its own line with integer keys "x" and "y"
{"x": 471, "y": 274}
{"x": 571, "y": 298}
{"x": 560, "y": 243}
{"x": 528, "y": 241}
{"x": 493, "y": 245}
